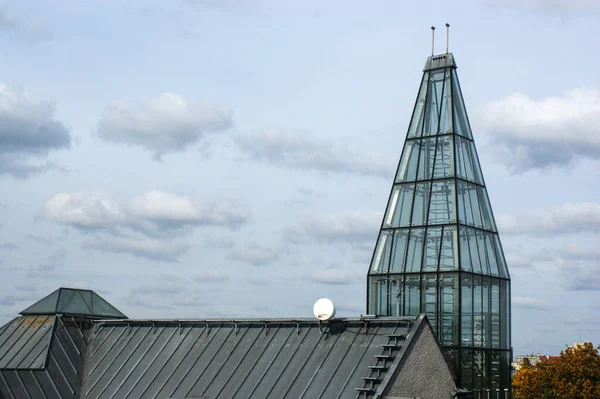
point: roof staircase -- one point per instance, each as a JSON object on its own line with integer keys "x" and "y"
{"x": 382, "y": 363}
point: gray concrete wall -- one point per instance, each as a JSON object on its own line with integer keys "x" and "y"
{"x": 424, "y": 372}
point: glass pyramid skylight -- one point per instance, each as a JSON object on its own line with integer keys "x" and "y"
{"x": 74, "y": 302}
{"x": 438, "y": 250}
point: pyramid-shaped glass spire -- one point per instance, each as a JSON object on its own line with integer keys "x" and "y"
{"x": 438, "y": 250}
{"x": 74, "y": 302}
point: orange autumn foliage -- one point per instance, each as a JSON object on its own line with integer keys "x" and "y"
{"x": 574, "y": 375}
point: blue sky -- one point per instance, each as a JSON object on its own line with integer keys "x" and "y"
{"x": 205, "y": 158}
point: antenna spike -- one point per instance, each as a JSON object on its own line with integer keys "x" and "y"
{"x": 432, "y": 40}
{"x": 447, "y": 36}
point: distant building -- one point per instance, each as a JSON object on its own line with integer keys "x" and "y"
{"x": 533, "y": 360}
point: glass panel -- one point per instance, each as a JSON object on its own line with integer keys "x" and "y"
{"x": 465, "y": 253}
{"x": 413, "y": 295}
{"x": 467, "y": 368}
{"x": 485, "y": 312}
{"x": 415, "y": 251}
{"x": 485, "y": 267}
{"x": 400, "y": 206}
{"x": 474, "y": 252}
{"x": 378, "y": 295}
{"x": 507, "y": 327}
{"x": 432, "y": 249}
{"x": 449, "y": 255}
{"x": 64, "y": 304}
{"x": 475, "y": 205}
{"x": 486, "y": 209}
{"x": 453, "y": 359}
{"x": 446, "y": 112}
{"x": 489, "y": 245}
{"x": 399, "y": 251}
{"x": 407, "y": 171}
{"x": 373, "y": 295}
{"x": 434, "y": 99}
{"x": 448, "y": 291}
{"x": 504, "y": 315}
{"x": 477, "y": 312}
{"x": 464, "y": 159}
{"x": 467, "y": 310}
{"x": 444, "y": 157}
{"x": 495, "y": 369}
{"x": 429, "y": 305}
{"x": 394, "y": 297}
{"x": 460, "y": 164}
{"x": 416, "y": 124}
{"x": 426, "y": 158}
{"x": 505, "y": 370}
{"x": 500, "y": 258}
{"x": 462, "y": 210}
{"x": 460, "y": 113}
{"x": 441, "y": 208}
{"x": 465, "y": 206}
{"x": 420, "y": 204}
{"x": 495, "y": 314}
{"x": 465, "y": 154}
{"x": 476, "y": 166}
{"x": 382, "y": 297}
{"x": 479, "y": 370}
{"x": 381, "y": 258}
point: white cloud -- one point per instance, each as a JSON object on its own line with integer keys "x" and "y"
{"x": 255, "y": 255}
{"x": 333, "y": 276}
{"x": 166, "y": 285}
{"x": 142, "y": 247}
{"x": 219, "y": 242}
{"x": 212, "y": 276}
{"x": 549, "y": 5}
{"x": 160, "y": 209}
{"x": 96, "y": 210}
{"x": 167, "y": 123}
{"x": 582, "y": 276}
{"x": 347, "y": 227}
{"x": 529, "y": 303}
{"x": 521, "y": 258}
{"x": 578, "y": 252}
{"x": 146, "y": 226}
{"x": 165, "y": 208}
{"x": 28, "y": 132}
{"x": 534, "y": 134}
{"x": 563, "y": 219}
{"x": 299, "y": 150}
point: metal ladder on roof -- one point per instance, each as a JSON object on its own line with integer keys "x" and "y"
{"x": 372, "y": 381}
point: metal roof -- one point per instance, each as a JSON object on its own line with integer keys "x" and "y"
{"x": 72, "y": 301}
{"x": 440, "y": 61}
{"x": 24, "y": 342}
{"x": 41, "y": 357}
{"x": 241, "y": 358}
{"x": 65, "y": 357}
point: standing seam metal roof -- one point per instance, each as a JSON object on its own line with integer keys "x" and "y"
{"x": 236, "y": 359}
{"x": 41, "y": 357}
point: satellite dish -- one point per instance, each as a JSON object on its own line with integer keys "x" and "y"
{"x": 324, "y": 309}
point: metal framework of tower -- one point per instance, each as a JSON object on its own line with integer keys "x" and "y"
{"x": 438, "y": 250}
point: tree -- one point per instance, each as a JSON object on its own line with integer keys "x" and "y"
{"x": 575, "y": 374}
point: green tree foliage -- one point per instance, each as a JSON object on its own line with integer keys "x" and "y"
{"x": 574, "y": 375}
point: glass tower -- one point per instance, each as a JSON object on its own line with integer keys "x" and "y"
{"x": 438, "y": 250}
